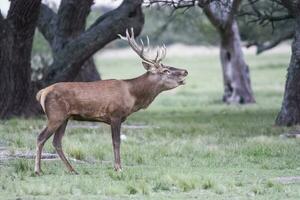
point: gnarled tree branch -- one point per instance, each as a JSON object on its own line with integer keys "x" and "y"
{"x": 222, "y": 13}
{"x": 261, "y": 47}
{"x": 61, "y": 28}
{"x": 46, "y": 22}
{"x": 105, "y": 29}
{"x": 179, "y": 3}
{"x": 71, "y": 21}
{"x": 232, "y": 11}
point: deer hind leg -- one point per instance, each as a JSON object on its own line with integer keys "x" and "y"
{"x": 41, "y": 140}
{"x": 58, "y": 146}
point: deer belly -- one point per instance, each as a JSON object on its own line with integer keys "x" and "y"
{"x": 81, "y": 117}
{"x": 90, "y": 114}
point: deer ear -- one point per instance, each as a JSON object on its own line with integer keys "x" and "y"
{"x": 148, "y": 66}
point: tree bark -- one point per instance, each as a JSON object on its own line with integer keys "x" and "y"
{"x": 68, "y": 23}
{"x": 290, "y": 108}
{"x": 67, "y": 63}
{"x": 88, "y": 72}
{"x": 236, "y": 75}
{"x": 16, "y": 38}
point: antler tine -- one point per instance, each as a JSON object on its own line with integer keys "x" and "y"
{"x": 165, "y": 51}
{"x": 132, "y": 32}
{"x": 157, "y": 55}
{"x": 140, "y": 49}
{"x": 148, "y": 42}
{"x": 133, "y": 44}
{"x": 163, "y": 54}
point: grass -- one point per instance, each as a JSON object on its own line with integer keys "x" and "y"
{"x": 192, "y": 146}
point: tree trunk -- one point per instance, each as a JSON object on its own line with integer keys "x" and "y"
{"x": 88, "y": 72}
{"x": 16, "y": 39}
{"x": 106, "y": 28}
{"x": 236, "y": 77}
{"x": 68, "y": 23}
{"x": 290, "y": 108}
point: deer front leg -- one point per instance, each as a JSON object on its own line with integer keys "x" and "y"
{"x": 115, "y": 131}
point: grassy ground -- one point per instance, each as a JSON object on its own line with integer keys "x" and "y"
{"x": 191, "y": 146}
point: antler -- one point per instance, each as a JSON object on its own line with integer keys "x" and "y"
{"x": 140, "y": 50}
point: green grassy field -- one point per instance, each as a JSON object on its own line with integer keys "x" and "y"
{"x": 186, "y": 145}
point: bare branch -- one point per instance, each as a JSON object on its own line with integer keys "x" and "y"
{"x": 233, "y": 9}
{"x": 217, "y": 15}
{"x": 177, "y": 4}
{"x": 268, "y": 16}
{"x": 220, "y": 12}
{"x": 46, "y": 22}
{"x": 105, "y": 29}
{"x": 72, "y": 16}
{"x": 68, "y": 22}
{"x": 271, "y": 44}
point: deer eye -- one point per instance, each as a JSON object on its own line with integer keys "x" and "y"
{"x": 166, "y": 71}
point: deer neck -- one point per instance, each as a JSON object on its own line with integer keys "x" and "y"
{"x": 144, "y": 89}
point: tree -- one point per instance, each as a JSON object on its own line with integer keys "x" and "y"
{"x": 222, "y": 15}
{"x": 267, "y": 45}
{"x": 73, "y": 53}
{"x": 236, "y": 74}
{"x": 67, "y": 24}
{"x": 290, "y": 109}
{"x": 179, "y": 26}
{"x": 75, "y": 47}
{"x": 262, "y": 19}
{"x": 16, "y": 36}
{"x": 287, "y": 11}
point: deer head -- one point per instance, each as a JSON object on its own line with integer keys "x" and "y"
{"x": 166, "y": 76}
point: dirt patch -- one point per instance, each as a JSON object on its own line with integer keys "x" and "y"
{"x": 91, "y": 125}
{"x": 6, "y": 154}
{"x": 291, "y": 134}
{"x": 288, "y": 179}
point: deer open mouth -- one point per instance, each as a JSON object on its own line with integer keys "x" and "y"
{"x": 182, "y": 81}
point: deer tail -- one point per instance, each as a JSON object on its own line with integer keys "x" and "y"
{"x": 40, "y": 97}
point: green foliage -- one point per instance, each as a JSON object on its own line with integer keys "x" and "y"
{"x": 190, "y": 26}
{"x": 252, "y": 28}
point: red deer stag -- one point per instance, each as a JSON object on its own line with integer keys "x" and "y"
{"x": 108, "y": 101}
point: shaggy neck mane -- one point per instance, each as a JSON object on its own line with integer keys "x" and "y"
{"x": 144, "y": 88}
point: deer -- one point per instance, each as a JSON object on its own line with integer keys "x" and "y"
{"x": 108, "y": 101}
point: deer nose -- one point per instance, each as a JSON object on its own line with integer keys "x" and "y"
{"x": 185, "y": 72}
